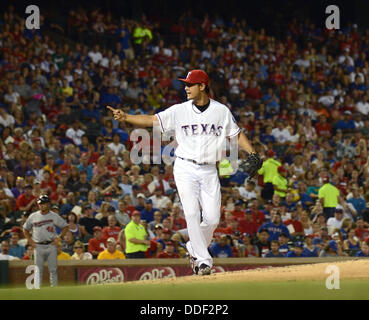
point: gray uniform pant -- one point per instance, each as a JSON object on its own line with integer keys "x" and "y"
{"x": 47, "y": 253}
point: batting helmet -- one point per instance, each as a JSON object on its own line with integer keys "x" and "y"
{"x": 43, "y": 199}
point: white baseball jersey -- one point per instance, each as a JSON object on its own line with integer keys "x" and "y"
{"x": 200, "y": 135}
{"x": 43, "y": 225}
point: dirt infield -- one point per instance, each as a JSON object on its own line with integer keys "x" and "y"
{"x": 349, "y": 270}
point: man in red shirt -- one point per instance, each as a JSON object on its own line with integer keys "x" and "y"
{"x": 112, "y": 230}
{"x": 258, "y": 215}
{"x": 58, "y": 197}
{"x": 231, "y": 227}
{"x": 247, "y": 224}
{"x": 177, "y": 221}
{"x": 168, "y": 252}
{"x": 323, "y": 128}
{"x": 47, "y": 182}
{"x": 26, "y": 200}
{"x": 360, "y": 231}
{"x": 96, "y": 244}
{"x": 238, "y": 211}
{"x": 298, "y": 229}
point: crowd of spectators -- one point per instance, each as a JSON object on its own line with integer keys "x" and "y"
{"x": 301, "y": 99}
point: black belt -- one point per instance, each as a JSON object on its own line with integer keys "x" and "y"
{"x": 195, "y": 162}
{"x": 44, "y": 242}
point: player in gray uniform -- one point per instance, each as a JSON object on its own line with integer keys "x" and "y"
{"x": 44, "y": 238}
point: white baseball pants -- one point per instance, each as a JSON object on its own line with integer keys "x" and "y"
{"x": 199, "y": 190}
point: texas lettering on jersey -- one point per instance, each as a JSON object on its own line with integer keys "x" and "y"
{"x": 202, "y": 129}
{"x": 201, "y": 136}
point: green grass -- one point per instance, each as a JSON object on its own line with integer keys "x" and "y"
{"x": 296, "y": 290}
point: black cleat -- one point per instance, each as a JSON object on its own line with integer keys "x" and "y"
{"x": 204, "y": 270}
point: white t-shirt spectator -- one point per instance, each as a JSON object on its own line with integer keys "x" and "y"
{"x": 363, "y": 107}
{"x": 12, "y": 98}
{"x": 353, "y": 76}
{"x": 303, "y": 63}
{"x": 7, "y": 257}
{"x": 75, "y": 135}
{"x": 234, "y": 86}
{"x": 95, "y": 56}
{"x": 8, "y": 121}
{"x": 246, "y": 194}
{"x": 281, "y": 136}
{"x": 159, "y": 202}
{"x": 333, "y": 223}
{"x": 117, "y": 148}
{"x": 326, "y": 100}
{"x": 104, "y": 62}
{"x": 359, "y": 124}
{"x": 342, "y": 60}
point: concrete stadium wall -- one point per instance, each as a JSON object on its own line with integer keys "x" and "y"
{"x": 108, "y": 271}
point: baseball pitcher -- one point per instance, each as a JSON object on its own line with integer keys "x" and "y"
{"x": 201, "y": 126}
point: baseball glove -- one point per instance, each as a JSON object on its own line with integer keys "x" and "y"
{"x": 251, "y": 164}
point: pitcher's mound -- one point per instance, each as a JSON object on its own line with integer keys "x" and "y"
{"x": 355, "y": 269}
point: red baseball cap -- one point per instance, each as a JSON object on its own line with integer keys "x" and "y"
{"x": 196, "y": 76}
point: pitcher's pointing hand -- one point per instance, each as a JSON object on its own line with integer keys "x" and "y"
{"x": 119, "y": 115}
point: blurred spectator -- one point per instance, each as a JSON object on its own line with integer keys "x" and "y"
{"x": 360, "y": 231}
{"x": 294, "y": 226}
{"x": 16, "y": 249}
{"x": 274, "y": 250}
{"x": 4, "y": 254}
{"x": 61, "y": 254}
{"x": 310, "y": 250}
{"x": 329, "y": 250}
{"x": 352, "y": 244}
{"x": 168, "y": 252}
{"x": 178, "y": 222}
{"x": 364, "y": 252}
{"x": 136, "y": 238}
{"x": 73, "y": 225}
{"x": 79, "y": 252}
{"x": 29, "y": 253}
{"x": 329, "y": 196}
{"x": 157, "y": 220}
{"x": 336, "y": 221}
{"x": 221, "y": 248}
{"x": 111, "y": 252}
{"x": 251, "y": 250}
{"x": 357, "y": 201}
{"x": 148, "y": 212}
{"x": 297, "y": 251}
{"x": 122, "y": 217}
{"x": 96, "y": 244}
{"x": 87, "y": 222}
{"x": 283, "y": 243}
{"x": 68, "y": 242}
{"x": 269, "y": 171}
{"x": 275, "y": 227}
{"x": 112, "y": 230}
{"x": 262, "y": 242}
